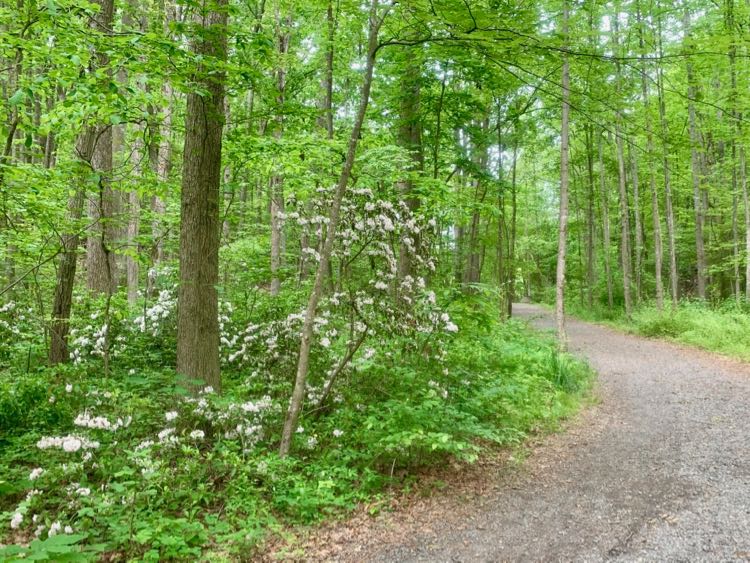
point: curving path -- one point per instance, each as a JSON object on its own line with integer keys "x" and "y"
{"x": 658, "y": 470}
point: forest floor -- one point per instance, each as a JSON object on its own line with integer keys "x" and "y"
{"x": 657, "y": 469}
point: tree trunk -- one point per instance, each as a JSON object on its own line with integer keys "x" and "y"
{"x": 277, "y": 181}
{"x": 746, "y": 201}
{"x": 410, "y": 138}
{"x": 66, "y": 271}
{"x": 101, "y": 268}
{"x": 658, "y": 246}
{"x": 605, "y": 225}
{"x": 695, "y": 169}
{"x": 298, "y": 393}
{"x": 624, "y": 211}
{"x": 638, "y": 225}
{"x": 564, "y": 181}
{"x": 590, "y": 220}
{"x": 197, "y": 313}
{"x": 671, "y": 236}
{"x": 131, "y": 265}
{"x": 511, "y": 269}
{"x": 86, "y": 149}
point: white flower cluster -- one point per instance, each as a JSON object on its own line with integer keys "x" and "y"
{"x": 70, "y": 443}
{"x": 155, "y": 317}
{"x": 85, "y": 420}
{"x": 11, "y": 318}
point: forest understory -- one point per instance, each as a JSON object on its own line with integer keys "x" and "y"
{"x": 259, "y": 259}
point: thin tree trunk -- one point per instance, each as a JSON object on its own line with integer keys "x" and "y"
{"x": 277, "y": 181}
{"x": 590, "y": 220}
{"x": 511, "y": 269}
{"x": 746, "y": 202}
{"x": 564, "y": 181}
{"x": 638, "y": 225}
{"x": 161, "y": 162}
{"x": 695, "y": 168}
{"x": 298, "y": 393}
{"x": 658, "y": 246}
{"x": 671, "y": 236}
{"x": 605, "y": 225}
{"x": 197, "y": 312}
{"x": 624, "y": 211}
{"x": 85, "y": 149}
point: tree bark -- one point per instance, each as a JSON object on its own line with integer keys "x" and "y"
{"x": 410, "y": 138}
{"x": 695, "y": 170}
{"x": 671, "y": 236}
{"x": 605, "y": 225}
{"x": 564, "y": 182}
{"x": 277, "y": 180}
{"x": 590, "y": 220}
{"x": 66, "y": 271}
{"x": 638, "y": 225}
{"x": 624, "y": 210}
{"x": 101, "y": 268}
{"x": 197, "y": 313}
{"x": 85, "y": 152}
{"x": 655, "y": 215}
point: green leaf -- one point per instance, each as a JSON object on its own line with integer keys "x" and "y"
{"x": 115, "y": 119}
{"x": 17, "y": 98}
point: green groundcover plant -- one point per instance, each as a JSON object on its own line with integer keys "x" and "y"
{"x": 133, "y": 466}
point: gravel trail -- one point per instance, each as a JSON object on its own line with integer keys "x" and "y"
{"x": 658, "y": 470}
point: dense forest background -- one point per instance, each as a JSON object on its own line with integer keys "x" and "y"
{"x": 258, "y": 258}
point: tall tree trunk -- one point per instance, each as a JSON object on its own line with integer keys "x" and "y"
{"x": 590, "y": 220}
{"x": 303, "y": 362}
{"x": 746, "y": 202}
{"x": 85, "y": 152}
{"x": 101, "y": 268}
{"x": 655, "y": 215}
{"x": 624, "y": 211}
{"x": 160, "y": 155}
{"x": 479, "y": 157}
{"x": 736, "y": 146}
{"x": 638, "y": 226}
{"x": 605, "y": 224}
{"x": 410, "y": 137}
{"x": 66, "y": 271}
{"x": 671, "y": 233}
{"x": 511, "y": 268}
{"x": 131, "y": 265}
{"x": 695, "y": 170}
{"x": 277, "y": 180}
{"x": 197, "y": 312}
{"x": 564, "y": 183}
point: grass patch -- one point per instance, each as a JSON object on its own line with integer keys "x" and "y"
{"x": 723, "y": 328}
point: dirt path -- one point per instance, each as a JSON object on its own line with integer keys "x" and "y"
{"x": 658, "y": 471}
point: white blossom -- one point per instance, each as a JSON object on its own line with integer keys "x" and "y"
{"x": 15, "y": 522}
{"x": 71, "y": 444}
{"x": 54, "y": 529}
